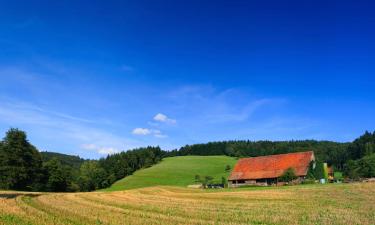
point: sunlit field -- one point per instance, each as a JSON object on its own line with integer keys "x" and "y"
{"x": 311, "y": 204}
{"x": 176, "y": 171}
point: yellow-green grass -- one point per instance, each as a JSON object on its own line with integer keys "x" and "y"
{"x": 177, "y": 171}
{"x": 311, "y": 204}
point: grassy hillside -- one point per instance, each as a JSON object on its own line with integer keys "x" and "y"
{"x": 303, "y": 204}
{"x": 176, "y": 171}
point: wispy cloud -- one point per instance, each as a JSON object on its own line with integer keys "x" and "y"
{"x": 208, "y": 105}
{"x": 99, "y": 149}
{"x": 64, "y": 126}
{"x": 158, "y": 134}
{"x": 242, "y": 113}
{"x": 183, "y": 115}
{"x": 141, "y": 131}
{"x": 108, "y": 151}
{"x": 146, "y": 131}
{"x": 89, "y": 146}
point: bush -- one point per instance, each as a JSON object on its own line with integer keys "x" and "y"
{"x": 288, "y": 175}
{"x": 338, "y": 176}
{"x": 197, "y": 179}
{"x": 308, "y": 181}
{"x": 224, "y": 182}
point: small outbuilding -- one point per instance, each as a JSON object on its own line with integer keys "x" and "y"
{"x": 265, "y": 170}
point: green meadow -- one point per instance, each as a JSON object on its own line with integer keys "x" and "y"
{"x": 177, "y": 171}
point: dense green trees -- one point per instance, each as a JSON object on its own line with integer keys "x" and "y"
{"x": 70, "y": 161}
{"x": 355, "y": 159}
{"x": 22, "y": 167}
{"x": 362, "y": 146}
{"x": 57, "y": 177}
{"x": 92, "y": 176}
{"x": 332, "y": 152}
{"x": 364, "y": 167}
{"x": 123, "y": 164}
{"x": 20, "y": 162}
{"x": 361, "y": 154}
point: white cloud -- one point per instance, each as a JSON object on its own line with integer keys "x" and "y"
{"x": 108, "y": 151}
{"x": 163, "y": 118}
{"x": 89, "y": 147}
{"x": 146, "y": 131}
{"x": 100, "y": 150}
{"x": 160, "y": 117}
{"x": 141, "y": 131}
{"x": 160, "y": 135}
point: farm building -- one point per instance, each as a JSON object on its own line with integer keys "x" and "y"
{"x": 265, "y": 170}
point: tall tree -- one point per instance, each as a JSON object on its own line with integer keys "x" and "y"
{"x": 21, "y": 163}
{"x": 58, "y": 176}
{"x": 92, "y": 176}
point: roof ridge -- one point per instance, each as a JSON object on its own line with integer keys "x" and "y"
{"x": 290, "y": 153}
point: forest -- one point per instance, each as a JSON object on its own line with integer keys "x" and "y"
{"x": 23, "y": 167}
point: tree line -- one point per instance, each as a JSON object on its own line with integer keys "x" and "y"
{"x": 333, "y": 153}
{"x": 356, "y": 159}
{"x": 23, "y": 167}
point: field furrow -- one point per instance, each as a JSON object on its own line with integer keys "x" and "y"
{"x": 311, "y": 204}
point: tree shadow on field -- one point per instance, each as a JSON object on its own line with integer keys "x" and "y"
{"x": 15, "y": 195}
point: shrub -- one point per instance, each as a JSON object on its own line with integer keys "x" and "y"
{"x": 224, "y": 181}
{"x": 308, "y": 181}
{"x": 197, "y": 179}
{"x": 337, "y": 176}
{"x": 288, "y": 175}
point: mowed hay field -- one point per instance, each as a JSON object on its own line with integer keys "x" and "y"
{"x": 310, "y": 204}
{"x": 177, "y": 171}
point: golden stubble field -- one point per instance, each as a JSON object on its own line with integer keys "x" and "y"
{"x": 310, "y": 204}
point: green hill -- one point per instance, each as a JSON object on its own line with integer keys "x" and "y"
{"x": 68, "y": 160}
{"x": 176, "y": 171}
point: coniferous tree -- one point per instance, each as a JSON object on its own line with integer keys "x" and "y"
{"x": 21, "y": 163}
{"x": 58, "y": 178}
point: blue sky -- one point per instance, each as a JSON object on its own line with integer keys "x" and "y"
{"x": 95, "y": 77}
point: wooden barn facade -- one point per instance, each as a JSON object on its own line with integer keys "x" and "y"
{"x": 265, "y": 170}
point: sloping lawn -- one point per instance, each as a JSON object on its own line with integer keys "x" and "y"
{"x": 177, "y": 171}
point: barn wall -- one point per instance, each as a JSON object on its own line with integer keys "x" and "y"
{"x": 261, "y": 182}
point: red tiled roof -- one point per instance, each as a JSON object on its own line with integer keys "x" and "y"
{"x": 271, "y": 166}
